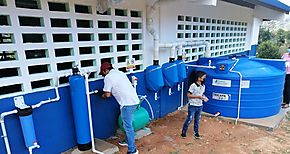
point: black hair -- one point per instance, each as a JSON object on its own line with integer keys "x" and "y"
{"x": 194, "y": 77}
{"x": 199, "y": 74}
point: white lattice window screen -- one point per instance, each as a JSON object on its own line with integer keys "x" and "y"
{"x": 225, "y": 36}
{"x": 44, "y": 39}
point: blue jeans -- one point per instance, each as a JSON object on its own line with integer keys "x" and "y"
{"x": 127, "y": 115}
{"x": 193, "y": 111}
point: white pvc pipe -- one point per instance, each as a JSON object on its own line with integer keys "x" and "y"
{"x": 90, "y": 114}
{"x": 181, "y": 99}
{"x": 151, "y": 29}
{"x": 179, "y": 51}
{"x": 156, "y": 49}
{"x": 151, "y": 110}
{"x": 207, "y": 50}
{"x": 201, "y": 66}
{"x": 4, "y": 114}
{"x": 172, "y": 52}
{"x": 49, "y": 100}
{"x": 179, "y": 45}
{"x": 4, "y": 129}
{"x": 33, "y": 147}
{"x": 240, "y": 89}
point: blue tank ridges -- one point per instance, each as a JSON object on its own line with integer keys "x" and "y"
{"x": 261, "y": 93}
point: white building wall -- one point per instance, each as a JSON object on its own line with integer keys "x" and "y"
{"x": 169, "y": 11}
{"x": 173, "y": 22}
{"x": 255, "y": 30}
{"x": 48, "y": 63}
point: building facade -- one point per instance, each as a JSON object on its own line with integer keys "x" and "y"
{"x": 41, "y": 40}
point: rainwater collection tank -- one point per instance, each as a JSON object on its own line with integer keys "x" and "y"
{"x": 261, "y": 87}
{"x": 181, "y": 70}
{"x": 170, "y": 74}
{"x": 154, "y": 78}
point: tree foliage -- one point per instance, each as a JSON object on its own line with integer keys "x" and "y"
{"x": 272, "y": 44}
{"x": 268, "y": 50}
{"x": 280, "y": 37}
{"x": 265, "y": 35}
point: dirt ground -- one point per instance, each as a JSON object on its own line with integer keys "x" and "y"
{"x": 219, "y": 137}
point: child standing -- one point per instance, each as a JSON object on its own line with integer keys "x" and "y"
{"x": 195, "y": 99}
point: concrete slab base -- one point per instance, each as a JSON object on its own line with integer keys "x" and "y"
{"x": 142, "y": 133}
{"x": 102, "y": 146}
{"x": 268, "y": 123}
{"x": 139, "y": 134}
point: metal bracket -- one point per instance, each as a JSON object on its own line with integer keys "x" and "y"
{"x": 19, "y": 102}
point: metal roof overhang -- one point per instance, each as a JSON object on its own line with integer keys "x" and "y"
{"x": 271, "y": 4}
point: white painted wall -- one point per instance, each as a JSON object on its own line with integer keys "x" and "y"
{"x": 169, "y": 10}
{"x": 165, "y": 22}
{"x": 255, "y": 31}
{"x": 266, "y": 13}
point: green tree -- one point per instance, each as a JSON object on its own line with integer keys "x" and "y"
{"x": 280, "y": 37}
{"x": 265, "y": 35}
{"x": 288, "y": 36}
{"x": 268, "y": 50}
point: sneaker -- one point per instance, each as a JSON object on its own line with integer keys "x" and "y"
{"x": 197, "y": 136}
{"x": 123, "y": 143}
{"x": 183, "y": 135}
{"x": 135, "y": 152}
{"x": 284, "y": 106}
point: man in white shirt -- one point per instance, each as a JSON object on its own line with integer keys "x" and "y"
{"x": 116, "y": 83}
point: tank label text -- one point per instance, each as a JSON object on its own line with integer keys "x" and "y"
{"x": 220, "y": 96}
{"x": 221, "y": 83}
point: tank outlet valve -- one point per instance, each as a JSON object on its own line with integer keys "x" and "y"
{"x": 156, "y": 96}
{"x": 217, "y": 114}
{"x": 134, "y": 81}
{"x": 170, "y": 92}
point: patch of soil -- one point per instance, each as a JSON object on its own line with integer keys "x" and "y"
{"x": 218, "y": 137}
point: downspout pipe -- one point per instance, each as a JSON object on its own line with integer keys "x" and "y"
{"x": 172, "y": 52}
{"x": 172, "y": 47}
{"x": 152, "y": 31}
{"x": 207, "y": 53}
{"x": 179, "y": 52}
{"x": 152, "y": 8}
{"x": 240, "y": 88}
{"x": 4, "y": 114}
{"x": 181, "y": 98}
{"x": 156, "y": 51}
{"x": 179, "y": 46}
{"x": 90, "y": 113}
{"x": 179, "y": 57}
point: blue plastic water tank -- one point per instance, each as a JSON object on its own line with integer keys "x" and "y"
{"x": 262, "y": 87}
{"x": 154, "y": 78}
{"x": 181, "y": 70}
{"x": 170, "y": 74}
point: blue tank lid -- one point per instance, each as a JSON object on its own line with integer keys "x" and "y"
{"x": 248, "y": 67}
{"x": 252, "y": 69}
